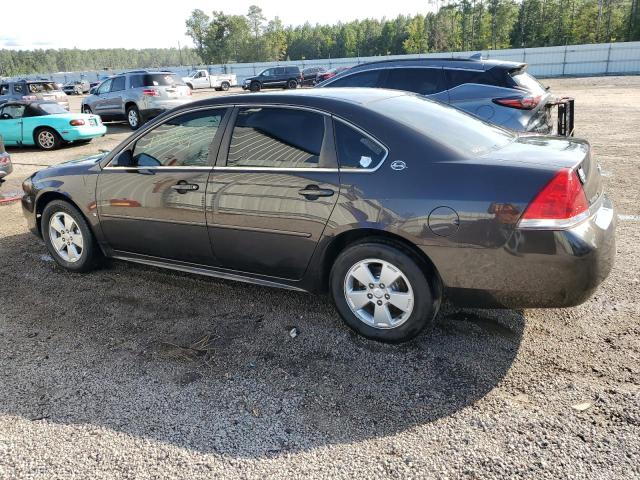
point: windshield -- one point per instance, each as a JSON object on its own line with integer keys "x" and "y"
{"x": 52, "y": 108}
{"x": 39, "y": 87}
{"x": 528, "y": 82}
{"x": 459, "y": 131}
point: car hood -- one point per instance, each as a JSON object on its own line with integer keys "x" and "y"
{"x": 72, "y": 167}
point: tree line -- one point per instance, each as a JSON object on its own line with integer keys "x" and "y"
{"x": 27, "y": 62}
{"x": 452, "y": 26}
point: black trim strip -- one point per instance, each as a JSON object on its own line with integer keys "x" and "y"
{"x": 262, "y": 230}
{"x": 128, "y": 217}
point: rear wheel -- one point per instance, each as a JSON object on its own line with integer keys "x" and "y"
{"x": 133, "y": 117}
{"x": 382, "y": 293}
{"x": 292, "y": 84}
{"x": 86, "y": 109}
{"x": 48, "y": 139}
{"x": 68, "y": 237}
{"x": 225, "y": 86}
{"x": 254, "y": 87}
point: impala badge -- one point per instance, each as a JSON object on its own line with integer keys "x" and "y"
{"x": 398, "y": 165}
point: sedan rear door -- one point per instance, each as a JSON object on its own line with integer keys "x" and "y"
{"x": 273, "y": 190}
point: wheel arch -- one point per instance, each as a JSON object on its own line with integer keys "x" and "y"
{"x": 363, "y": 235}
{"x": 39, "y": 128}
{"x": 47, "y": 197}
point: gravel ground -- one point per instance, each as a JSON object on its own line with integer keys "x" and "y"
{"x": 134, "y": 372}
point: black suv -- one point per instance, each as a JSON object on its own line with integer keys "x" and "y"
{"x": 274, "y": 77}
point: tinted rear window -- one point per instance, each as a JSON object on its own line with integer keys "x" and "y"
{"x": 52, "y": 108}
{"x": 446, "y": 125}
{"x": 155, "y": 80}
{"x": 39, "y": 87}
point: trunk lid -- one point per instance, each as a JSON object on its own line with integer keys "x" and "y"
{"x": 555, "y": 153}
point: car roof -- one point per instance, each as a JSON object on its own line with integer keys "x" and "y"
{"x": 313, "y": 97}
{"x": 463, "y": 63}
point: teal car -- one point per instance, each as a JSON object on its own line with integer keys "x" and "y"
{"x": 46, "y": 125}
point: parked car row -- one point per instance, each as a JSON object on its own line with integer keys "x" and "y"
{"x": 30, "y": 90}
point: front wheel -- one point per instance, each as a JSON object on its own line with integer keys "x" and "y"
{"x": 254, "y": 87}
{"x": 48, "y": 139}
{"x": 133, "y": 117}
{"x": 68, "y": 237}
{"x": 382, "y": 293}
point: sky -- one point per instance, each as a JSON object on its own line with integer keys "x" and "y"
{"x": 147, "y": 24}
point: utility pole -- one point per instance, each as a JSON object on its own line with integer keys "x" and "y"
{"x": 180, "y": 52}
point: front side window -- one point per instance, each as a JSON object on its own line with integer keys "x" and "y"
{"x": 425, "y": 81}
{"x": 267, "y": 73}
{"x": 276, "y": 137}
{"x": 117, "y": 84}
{"x": 355, "y": 149}
{"x": 183, "y": 141}
{"x": 18, "y": 88}
{"x": 363, "y": 79}
{"x": 105, "y": 86}
{"x": 12, "y": 111}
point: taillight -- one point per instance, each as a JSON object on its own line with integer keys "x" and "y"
{"x": 561, "y": 199}
{"x": 522, "y": 103}
{"x": 77, "y": 122}
{"x": 151, "y": 92}
{"x": 29, "y": 98}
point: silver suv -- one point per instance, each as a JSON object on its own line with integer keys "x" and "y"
{"x": 136, "y": 96}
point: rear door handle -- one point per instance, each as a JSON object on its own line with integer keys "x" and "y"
{"x": 185, "y": 187}
{"x": 312, "y": 192}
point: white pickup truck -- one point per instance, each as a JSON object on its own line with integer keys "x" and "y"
{"x": 202, "y": 79}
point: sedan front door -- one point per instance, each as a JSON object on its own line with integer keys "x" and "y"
{"x": 273, "y": 191}
{"x": 151, "y": 198}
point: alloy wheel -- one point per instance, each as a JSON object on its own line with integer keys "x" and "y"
{"x": 378, "y": 293}
{"x": 46, "y": 139}
{"x": 133, "y": 118}
{"x": 66, "y": 237}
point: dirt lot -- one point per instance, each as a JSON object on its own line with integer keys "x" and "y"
{"x": 133, "y": 372}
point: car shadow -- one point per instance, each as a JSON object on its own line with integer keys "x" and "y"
{"x": 219, "y": 366}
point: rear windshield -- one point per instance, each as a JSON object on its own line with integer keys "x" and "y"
{"x": 39, "y": 87}
{"x": 528, "y": 82}
{"x": 156, "y": 80}
{"x": 52, "y": 108}
{"x": 459, "y": 131}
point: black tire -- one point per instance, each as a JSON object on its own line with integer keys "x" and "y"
{"x": 424, "y": 305}
{"x": 87, "y": 109}
{"x": 224, "y": 86}
{"x": 190, "y": 86}
{"x": 255, "y": 86}
{"x": 292, "y": 84}
{"x": 90, "y": 253}
{"x": 133, "y": 112}
{"x": 47, "y": 139}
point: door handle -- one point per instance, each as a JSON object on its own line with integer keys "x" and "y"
{"x": 312, "y": 192}
{"x": 185, "y": 187}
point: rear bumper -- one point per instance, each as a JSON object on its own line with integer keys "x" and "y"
{"x": 83, "y": 133}
{"x": 536, "y": 268}
{"x": 152, "y": 108}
